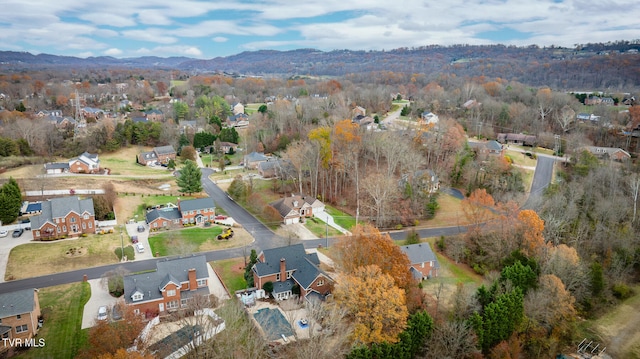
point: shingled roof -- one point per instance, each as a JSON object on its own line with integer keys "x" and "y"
{"x": 196, "y": 204}
{"x": 420, "y": 253}
{"x": 15, "y": 303}
{"x": 169, "y": 270}
{"x": 305, "y": 266}
{"x": 60, "y": 207}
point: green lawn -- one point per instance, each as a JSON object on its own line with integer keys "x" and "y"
{"x": 342, "y": 219}
{"x": 62, "y": 307}
{"x": 231, "y": 271}
{"x": 319, "y": 228}
{"x": 182, "y": 241}
{"x": 251, "y": 108}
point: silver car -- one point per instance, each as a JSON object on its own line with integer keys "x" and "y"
{"x": 102, "y": 313}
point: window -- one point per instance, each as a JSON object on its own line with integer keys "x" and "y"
{"x": 90, "y": 224}
{"x": 278, "y": 277}
{"x": 171, "y": 292}
{"x": 136, "y": 311}
{"x": 5, "y": 335}
{"x": 212, "y": 217}
{"x": 198, "y": 212}
{"x": 37, "y": 233}
{"x": 183, "y": 302}
{"x": 21, "y": 328}
{"x": 320, "y": 282}
{"x": 202, "y": 282}
{"x": 85, "y": 216}
{"x": 288, "y": 275}
{"x": 172, "y": 304}
{"x": 136, "y": 296}
{"x": 64, "y": 228}
{"x": 155, "y": 225}
{"x": 84, "y": 225}
{"x": 72, "y": 219}
{"x": 18, "y": 316}
{"x": 63, "y": 220}
{"x": 164, "y": 223}
{"x": 58, "y": 228}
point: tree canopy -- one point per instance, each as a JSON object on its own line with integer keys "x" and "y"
{"x": 190, "y": 178}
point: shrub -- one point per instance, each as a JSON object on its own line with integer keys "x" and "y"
{"x": 268, "y": 287}
{"x": 440, "y": 243}
{"x": 621, "y": 291}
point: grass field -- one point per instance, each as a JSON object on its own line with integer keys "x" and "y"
{"x": 251, "y": 108}
{"x": 62, "y": 308}
{"x": 36, "y": 259}
{"x": 342, "y": 219}
{"x": 195, "y": 239}
{"x": 319, "y": 228}
{"x": 232, "y": 273}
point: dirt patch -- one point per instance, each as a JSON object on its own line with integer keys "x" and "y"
{"x": 76, "y": 252}
{"x": 619, "y": 328}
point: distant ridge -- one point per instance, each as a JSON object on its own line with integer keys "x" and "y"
{"x": 615, "y": 65}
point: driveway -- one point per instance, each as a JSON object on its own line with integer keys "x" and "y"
{"x": 143, "y": 237}
{"x": 99, "y": 296}
{"x": 7, "y": 243}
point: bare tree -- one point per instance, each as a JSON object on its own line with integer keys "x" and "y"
{"x": 634, "y": 186}
{"x": 453, "y": 339}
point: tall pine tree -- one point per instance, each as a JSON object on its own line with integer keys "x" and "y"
{"x": 10, "y": 201}
{"x": 190, "y": 179}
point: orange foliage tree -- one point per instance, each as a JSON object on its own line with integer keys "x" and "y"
{"x": 367, "y": 246}
{"x": 477, "y": 208}
{"x": 531, "y": 227}
{"x": 375, "y": 303}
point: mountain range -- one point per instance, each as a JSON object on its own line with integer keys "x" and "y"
{"x": 612, "y": 66}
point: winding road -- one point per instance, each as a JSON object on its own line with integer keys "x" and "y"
{"x": 264, "y": 237}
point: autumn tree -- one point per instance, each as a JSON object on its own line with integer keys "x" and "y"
{"x": 531, "y": 227}
{"x": 367, "y": 246}
{"x": 380, "y": 191}
{"x": 477, "y": 208}
{"x": 188, "y": 153}
{"x": 377, "y": 306}
{"x": 123, "y": 353}
{"x": 107, "y": 337}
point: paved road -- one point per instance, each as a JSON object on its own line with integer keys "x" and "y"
{"x": 264, "y": 237}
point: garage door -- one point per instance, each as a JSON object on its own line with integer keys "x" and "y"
{"x": 291, "y": 220}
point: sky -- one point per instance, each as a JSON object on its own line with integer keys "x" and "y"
{"x": 207, "y": 29}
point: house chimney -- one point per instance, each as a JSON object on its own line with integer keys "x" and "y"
{"x": 193, "y": 283}
{"x": 283, "y": 270}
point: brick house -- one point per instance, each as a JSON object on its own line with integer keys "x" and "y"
{"x": 85, "y": 163}
{"x": 612, "y": 153}
{"x": 154, "y": 115}
{"x": 517, "y": 139}
{"x": 64, "y": 216}
{"x": 169, "y": 287}
{"x": 252, "y": 160}
{"x": 298, "y": 206}
{"x": 424, "y": 263}
{"x": 158, "y": 155}
{"x": 196, "y": 211}
{"x": 237, "y": 108}
{"x": 289, "y": 267}
{"x": 19, "y": 314}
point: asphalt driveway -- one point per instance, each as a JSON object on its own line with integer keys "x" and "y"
{"x": 143, "y": 237}
{"x": 6, "y": 245}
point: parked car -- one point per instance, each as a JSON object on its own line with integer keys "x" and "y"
{"x": 141, "y": 228}
{"x": 26, "y": 224}
{"x": 17, "y": 232}
{"x": 102, "y": 313}
{"x": 139, "y": 247}
{"x": 134, "y": 239}
{"x": 4, "y": 233}
{"x": 116, "y": 312}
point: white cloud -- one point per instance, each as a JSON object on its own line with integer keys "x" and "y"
{"x": 151, "y": 34}
{"x": 84, "y": 55}
{"x": 220, "y": 39}
{"x": 108, "y": 19}
{"x": 177, "y": 51}
{"x": 113, "y": 52}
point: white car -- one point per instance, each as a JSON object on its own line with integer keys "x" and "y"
{"x": 102, "y": 313}
{"x": 4, "y": 233}
{"x": 139, "y": 247}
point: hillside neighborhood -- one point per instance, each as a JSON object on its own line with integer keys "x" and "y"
{"x": 164, "y": 217}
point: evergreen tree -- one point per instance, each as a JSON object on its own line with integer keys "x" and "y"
{"x": 10, "y": 201}
{"x": 229, "y": 135}
{"x": 190, "y": 179}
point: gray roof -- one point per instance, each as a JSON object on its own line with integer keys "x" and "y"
{"x": 196, "y": 204}
{"x": 420, "y": 253}
{"x": 166, "y": 213}
{"x": 164, "y": 150}
{"x": 175, "y": 270}
{"x": 15, "y": 303}
{"x": 60, "y": 207}
{"x": 255, "y": 156}
{"x": 304, "y": 265}
{"x": 56, "y": 165}
{"x": 148, "y": 156}
{"x": 286, "y": 204}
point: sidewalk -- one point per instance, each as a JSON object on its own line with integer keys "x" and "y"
{"x": 325, "y": 217}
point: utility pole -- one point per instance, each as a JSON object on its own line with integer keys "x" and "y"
{"x": 121, "y": 244}
{"x": 326, "y": 233}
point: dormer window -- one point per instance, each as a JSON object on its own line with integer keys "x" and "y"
{"x": 136, "y": 296}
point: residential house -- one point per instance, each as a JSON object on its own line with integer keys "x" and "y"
{"x": 277, "y": 168}
{"x": 237, "y": 108}
{"x": 239, "y": 120}
{"x": 517, "y": 139}
{"x": 429, "y": 118}
{"x": 424, "y": 181}
{"x": 90, "y": 112}
{"x": 289, "y": 267}
{"x": 486, "y": 147}
{"x": 251, "y": 160}
{"x": 194, "y": 211}
{"x": 469, "y": 104}
{"x": 56, "y": 167}
{"x": 158, "y": 155}
{"x": 226, "y": 147}
{"x": 139, "y": 119}
{"x": 19, "y": 317}
{"x": 64, "y": 216}
{"x": 47, "y": 113}
{"x": 154, "y": 115}
{"x": 424, "y": 264}
{"x": 359, "y": 111}
{"x": 169, "y": 287}
{"x": 365, "y": 122}
{"x": 613, "y": 153}
{"x": 297, "y": 206}
{"x": 85, "y": 163}
{"x": 198, "y": 210}
{"x": 608, "y": 101}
